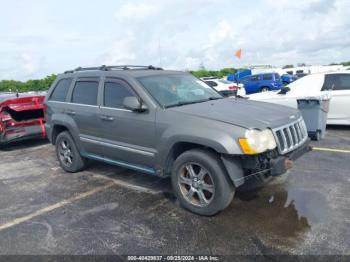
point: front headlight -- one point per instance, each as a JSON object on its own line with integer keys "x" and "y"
{"x": 256, "y": 141}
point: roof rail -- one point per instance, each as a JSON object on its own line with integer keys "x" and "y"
{"x": 117, "y": 67}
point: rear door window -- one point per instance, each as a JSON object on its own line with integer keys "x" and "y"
{"x": 61, "y": 90}
{"x": 267, "y": 77}
{"x": 114, "y": 94}
{"x": 85, "y": 92}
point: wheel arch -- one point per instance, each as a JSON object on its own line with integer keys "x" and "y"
{"x": 56, "y": 130}
{"x": 264, "y": 86}
{"x": 231, "y": 165}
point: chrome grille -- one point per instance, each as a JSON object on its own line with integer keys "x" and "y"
{"x": 290, "y": 136}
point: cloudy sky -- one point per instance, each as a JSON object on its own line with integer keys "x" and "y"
{"x": 40, "y": 37}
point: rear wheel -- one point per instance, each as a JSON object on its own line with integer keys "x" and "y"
{"x": 67, "y": 154}
{"x": 264, "y": 89}
{"x": 200, "y": 183}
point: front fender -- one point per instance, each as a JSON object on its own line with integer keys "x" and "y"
{"x": 215, "y": 139}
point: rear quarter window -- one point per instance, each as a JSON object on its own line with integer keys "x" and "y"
{"x": 61, "y": 90}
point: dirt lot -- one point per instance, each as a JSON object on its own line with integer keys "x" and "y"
{"x": 109, "y": 210}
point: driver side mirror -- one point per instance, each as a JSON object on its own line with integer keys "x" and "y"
{"x": 284, "y": 90}
{"x": 134, "y": 104}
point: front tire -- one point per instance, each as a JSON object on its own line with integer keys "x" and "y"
{"x": 68, "y": 155}
{"x": 200, "y": 182}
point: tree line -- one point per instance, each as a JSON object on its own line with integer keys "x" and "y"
{"x": 30, "y": 85}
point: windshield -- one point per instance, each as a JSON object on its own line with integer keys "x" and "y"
{"x": 175, "y": 90}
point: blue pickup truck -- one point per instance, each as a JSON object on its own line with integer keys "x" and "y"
{"x": 261, "y": 82}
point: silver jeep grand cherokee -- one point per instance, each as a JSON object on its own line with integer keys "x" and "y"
{"x": 169, "y": 123}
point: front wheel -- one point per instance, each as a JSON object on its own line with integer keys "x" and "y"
{"x": 264, "y": 89}
{"x": 200, "y": 182}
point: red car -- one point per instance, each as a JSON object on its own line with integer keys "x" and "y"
{"x": 21, "y": 117}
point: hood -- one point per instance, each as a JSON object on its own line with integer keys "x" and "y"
{"x": 263, "y": 95}
{"x": 241, "y": 112}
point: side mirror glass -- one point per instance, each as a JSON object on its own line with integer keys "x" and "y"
{"x": 134, "y": 104}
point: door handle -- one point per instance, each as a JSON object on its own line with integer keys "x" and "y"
{"x": 107, "y": 118}
{"x": 70, "y": 112}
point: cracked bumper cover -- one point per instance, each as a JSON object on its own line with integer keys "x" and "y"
{"x": 273, "y": 166}
{"x": 281, "y": 164}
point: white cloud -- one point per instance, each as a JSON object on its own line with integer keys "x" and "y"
{"x": 135, "y": 12}
{"x": 181, "y": 34}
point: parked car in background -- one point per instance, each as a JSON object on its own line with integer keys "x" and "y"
{"x": 225, "y": 87}
{"x": 169, "y": 123}
{"x": 21, "y": 117}
{"x": 262, "y": 83}
{"x": 287, "y": 78}
{"x": 337, "y": 84}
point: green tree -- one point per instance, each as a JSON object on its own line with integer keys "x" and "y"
{"x": 30, "y": 85}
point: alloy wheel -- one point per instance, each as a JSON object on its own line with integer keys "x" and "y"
{"x": 65, "y": 153}
{"x": 196, "y": 184}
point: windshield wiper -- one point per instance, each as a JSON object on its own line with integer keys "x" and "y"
{"x": 215, "y": 98}
{"x": 182, "y": 103}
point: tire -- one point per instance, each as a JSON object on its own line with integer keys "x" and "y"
{"x": 264, "y": 89}
{"x": 68, "y": 155}
{"x": 208, "y": 173}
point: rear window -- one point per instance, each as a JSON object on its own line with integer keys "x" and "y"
{"x": 211, "y": 83}
{"x": 224, "y": 81}
{"x": 85, "y": 92}
{"x": 61, "y": 90}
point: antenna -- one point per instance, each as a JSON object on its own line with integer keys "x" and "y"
{"x": 159, "y": 53}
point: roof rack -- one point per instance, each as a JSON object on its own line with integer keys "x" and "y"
{"x": 119, "y": 67}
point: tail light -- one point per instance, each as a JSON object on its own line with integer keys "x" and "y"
{"x": 232, "y": 87}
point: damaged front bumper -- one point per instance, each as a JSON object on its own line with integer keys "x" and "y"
{"x": 263, "y": 166}
{"x": 281, "y": 164}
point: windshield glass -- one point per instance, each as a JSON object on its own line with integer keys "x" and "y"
{"x": 181, "y": 89}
